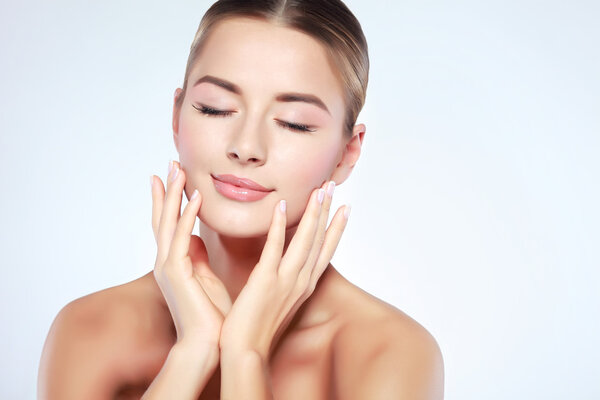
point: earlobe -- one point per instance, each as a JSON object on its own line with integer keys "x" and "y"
{"x": 350, "y": 155}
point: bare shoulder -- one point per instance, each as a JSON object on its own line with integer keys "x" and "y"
{"x": 380, "y": 353}
{"x": 89, "y": 347}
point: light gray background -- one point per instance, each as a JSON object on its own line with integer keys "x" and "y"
{"x": 475, "y": 202}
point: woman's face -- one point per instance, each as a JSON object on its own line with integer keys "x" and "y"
{"x": 262, "y": 103}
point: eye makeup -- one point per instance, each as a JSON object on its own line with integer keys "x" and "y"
{"x": 295, "y": 126}
{"x": 212, "y": 111}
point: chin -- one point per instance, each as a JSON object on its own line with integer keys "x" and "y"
{"x": 243, "y": 219}
{"x": 237, "y": 219}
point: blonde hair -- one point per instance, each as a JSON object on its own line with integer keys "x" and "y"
{"x": 328, "y": 21}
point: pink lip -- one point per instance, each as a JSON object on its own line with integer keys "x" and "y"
{"x": 240, "y": 189}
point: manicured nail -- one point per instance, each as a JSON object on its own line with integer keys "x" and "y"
{"x": 320, "y": 195}
{"x": 282, "y": 206}
{"x": 170, "y": 166}
{"x": 194, "y": 195}
{"x": 151, "y": 182}
{"x": 175, "y": 174}
{"x": 347, "y": 210}
{"x": 330, "y": 188}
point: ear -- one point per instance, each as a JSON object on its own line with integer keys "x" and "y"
{"x": 350, "y": 155}
{"x": 176, "y": 111}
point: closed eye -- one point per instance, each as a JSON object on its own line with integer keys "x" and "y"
{"x": 213, "y": 112}
{"x": 294, "y": 126}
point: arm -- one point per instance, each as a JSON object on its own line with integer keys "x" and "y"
{"x": 185, "y": 373}
{"x": 245, "y": 375}
{"x": 196, "y": 298}
{"x": 278, "y": 285}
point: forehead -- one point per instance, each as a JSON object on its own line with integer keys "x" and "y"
{"x": 263, "y": 57}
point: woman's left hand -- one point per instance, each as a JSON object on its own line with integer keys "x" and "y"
{"x": 279, "y": 284}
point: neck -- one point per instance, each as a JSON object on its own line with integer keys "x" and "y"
{"x": 233, "y": 259}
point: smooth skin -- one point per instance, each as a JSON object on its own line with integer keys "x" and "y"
{"x": 205, "y": 322}
{"x": 250, "y": 308}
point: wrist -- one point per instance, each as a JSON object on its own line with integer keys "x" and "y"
{"x": 242, "y": 356}
{"x": 197, "y": 352}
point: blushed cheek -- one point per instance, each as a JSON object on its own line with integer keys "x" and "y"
{"x": 308, "y": 175}
{"x": 196, "y": 149}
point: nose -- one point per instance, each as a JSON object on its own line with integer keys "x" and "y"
{"x": 247, "y": 145}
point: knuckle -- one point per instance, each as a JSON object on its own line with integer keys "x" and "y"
{"x": 306, "y": 247}
{"x": 286, "y": 281}
{"x": 299, "y": 292}
{"x": 303, "y": 279}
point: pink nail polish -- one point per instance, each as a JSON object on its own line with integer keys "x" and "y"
{"x": 194, "y": 195}
{"x": 282, "y": 206}
{"x": 330, "y": 188}
{"x": 320, "y": 196}
{"x": 175, "y": 174}
{"x": 151, "y": 182}
{"x": 170, "y": 166}
{"x": 347, "y": 211}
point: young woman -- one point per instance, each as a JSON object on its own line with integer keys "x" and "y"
{"x": 265, "y": 127}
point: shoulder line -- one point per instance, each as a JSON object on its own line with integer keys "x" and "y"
{"x": 390, "y": 352}
{"x": 79, "y": 351}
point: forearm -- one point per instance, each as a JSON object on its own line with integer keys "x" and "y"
{"x": 185, "y": 373}
{"x": 245, "y": 375}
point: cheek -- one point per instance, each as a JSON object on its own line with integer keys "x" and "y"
{"x": 197, "y": 150}
{"x": 303, "y": 173}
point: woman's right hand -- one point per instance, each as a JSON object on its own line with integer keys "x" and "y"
{"x": 196, "y": 297}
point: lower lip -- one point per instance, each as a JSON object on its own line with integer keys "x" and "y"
{"x": 238, "y": 193}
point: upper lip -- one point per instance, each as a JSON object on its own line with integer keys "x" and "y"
{"x": 241, "y": 182}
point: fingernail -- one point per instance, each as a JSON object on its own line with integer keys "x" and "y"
{"x": 282, "y": 206}
{"x": 175, "y": 174}
{"x": 170, "y": 166}
{"x": 330, "y": 188}
{"x": 320, "y": 196}
{"x": 347, "y": 210}
{"x": 151, "y": 182}
{"x": 194, "y": 195}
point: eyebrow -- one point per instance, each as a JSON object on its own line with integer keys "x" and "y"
{"x": 283, "y": 97}
{"x": 219, "y": 82}
{"x": 303, "y": 97}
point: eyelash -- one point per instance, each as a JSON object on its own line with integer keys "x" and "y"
{"x": 212, "y": 112}
{"x": 294, "y": 127}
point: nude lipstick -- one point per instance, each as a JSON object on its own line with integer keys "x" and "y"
{"x": 240, "y": 189}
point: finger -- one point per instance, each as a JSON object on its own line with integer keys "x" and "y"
{"x": 158, "y": 197}
{"x": 306, "y": 271}
{"x": 300, "y": 245}
{"x": 183, "y": 231}
{"x": 273, "y": 249}
{"x": 171, "y": 209}
{"x": 332, "y": 239}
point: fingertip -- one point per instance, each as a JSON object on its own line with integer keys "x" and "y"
{"x": 282, "y": 206}
{"x": 196, "y": 197}
{"x": 321, "y": 195}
